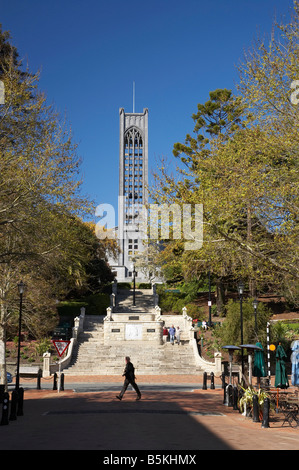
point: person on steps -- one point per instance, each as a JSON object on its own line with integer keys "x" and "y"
{"x": 171, "y": 334}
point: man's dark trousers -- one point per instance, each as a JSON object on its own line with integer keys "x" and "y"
{"x": 129, "y": 374}
{"x": 125, "y": 386}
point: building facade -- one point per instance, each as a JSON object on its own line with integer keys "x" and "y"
{"x": 133, "y": 192}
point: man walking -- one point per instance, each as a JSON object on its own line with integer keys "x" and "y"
{"x": 129, "y": 374}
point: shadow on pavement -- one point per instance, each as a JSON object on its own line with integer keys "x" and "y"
{"x": 100, "y": 422}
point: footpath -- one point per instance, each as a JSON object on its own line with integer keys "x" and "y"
{"x": 165, "y": 420}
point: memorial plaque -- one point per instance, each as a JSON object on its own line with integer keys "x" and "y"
{"x": 133, "y": 318}
{"x": 133, "y": 332}
{"x": 115, "y": 330}
{"x": 151, "y": 330}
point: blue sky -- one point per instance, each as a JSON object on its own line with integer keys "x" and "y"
{"x": 90, "y": 52}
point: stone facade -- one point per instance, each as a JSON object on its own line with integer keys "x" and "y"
{"x": 116, "y": 332}
{"x": 133, "y": 192}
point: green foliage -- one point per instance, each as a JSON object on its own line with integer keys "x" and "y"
{"x": 284, "y": 333}
{"x": 230, "y": 331}
{"x": 175, "y": 301}
{"x": 43, "y": 346}
{"x": 195, "y": 312}
{"x": 94, "y": 304}
{"x": 124, "y": 285}
{"x": 241, "y": 164}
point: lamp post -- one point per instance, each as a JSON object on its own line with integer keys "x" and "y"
{"x": 255, "y": 304}
{"x": 134, "y": 284}
{"x": 241, "y": 291}
{"x": 21, "y": 288}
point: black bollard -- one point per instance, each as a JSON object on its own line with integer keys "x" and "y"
{"x": 266, "y": 411}
{"x": 223, "y": 380}
{"x": 39, "y": 376}
{"x": 55, "y": 382}
{"x": 5, "y": 408}
{"x": 224, "y": 396}
{"x": 20, "y": 411}
{"x": 212, "y": 381}
{"x": 230, "y": 395}
{"x": 62, "y": 382}
{"x": 204, "y": 385}
{"x": 255, "y": 409}
{"x": 2, "y": 390}
{"x": 13, "y": 406}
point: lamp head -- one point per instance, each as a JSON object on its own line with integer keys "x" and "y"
{"x": 21, "y": 287}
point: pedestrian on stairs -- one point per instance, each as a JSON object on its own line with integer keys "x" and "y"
{"x": 165, "y": 334}
{"x": 171, "y": 334}
{"x": 129, "y": 374}
{"x": 178, "y": 335}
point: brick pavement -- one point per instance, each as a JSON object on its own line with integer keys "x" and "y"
{"x": 170, "y": 420}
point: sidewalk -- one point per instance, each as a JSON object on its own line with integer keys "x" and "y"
{"x": 187, "y": 420}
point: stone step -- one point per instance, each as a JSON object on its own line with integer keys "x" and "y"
{"x": 92, "y": 357}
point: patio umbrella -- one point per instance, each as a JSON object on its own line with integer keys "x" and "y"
{"x": 259, "y": 368}
{"x": 250, "y": 348}
{"x": 295, "y": 362}
{"x": 281, "y": 379}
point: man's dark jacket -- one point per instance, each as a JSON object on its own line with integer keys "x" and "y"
{"x": 129, "y": 372}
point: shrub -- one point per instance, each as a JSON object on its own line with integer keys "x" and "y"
{"x": 43, "y": 346}
{"x": 94, "y": 304}
{"x": 230, "y": 332}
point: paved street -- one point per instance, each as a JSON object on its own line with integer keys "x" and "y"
{"x": 170, "y": 416}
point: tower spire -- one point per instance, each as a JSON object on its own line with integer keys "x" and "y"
{"x": 133, "y": 97}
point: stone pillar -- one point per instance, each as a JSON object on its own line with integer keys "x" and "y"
{"x": 109, "y": 314}
{"x": 46, "y": 364}
{"x": 217, "y": 357}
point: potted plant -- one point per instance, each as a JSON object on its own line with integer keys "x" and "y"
{"x": 246, "y": 400}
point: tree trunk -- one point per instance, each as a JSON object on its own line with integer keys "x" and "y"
{"x": 3, "y": 378}
{"x": 220, "y": 296}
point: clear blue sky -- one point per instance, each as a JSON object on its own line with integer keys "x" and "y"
{"x": 90, "y": 52}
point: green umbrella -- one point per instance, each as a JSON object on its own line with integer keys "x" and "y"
{"x": 281, "y": 378}
{"x": 259, "y": 369}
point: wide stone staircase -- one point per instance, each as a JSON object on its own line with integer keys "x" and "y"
{"x": 143, "y": 299}
{"x": 92, "y": 357}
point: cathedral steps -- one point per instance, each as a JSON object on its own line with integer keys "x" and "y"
{"x": 92, "y": 357}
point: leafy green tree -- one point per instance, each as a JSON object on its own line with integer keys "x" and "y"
{"x": 42, "y": 238}
{"x": 242, "y": 165}
{"x": 230, "y": 330}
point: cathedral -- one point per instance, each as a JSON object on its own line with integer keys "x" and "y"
{"x": 133, "y": 194}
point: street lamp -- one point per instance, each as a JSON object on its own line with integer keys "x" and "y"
{"x": 241, "y": 292}
{"x": 255, "y": 304}
{"x": 21, "y": 289}
{"x": 134, "y": 285}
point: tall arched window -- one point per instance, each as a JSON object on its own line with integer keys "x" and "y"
{"x": 133, "y": 171}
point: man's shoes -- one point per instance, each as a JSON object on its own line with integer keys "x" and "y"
{"x": 117, "y": 396}
{"x": 138, "y": 398}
